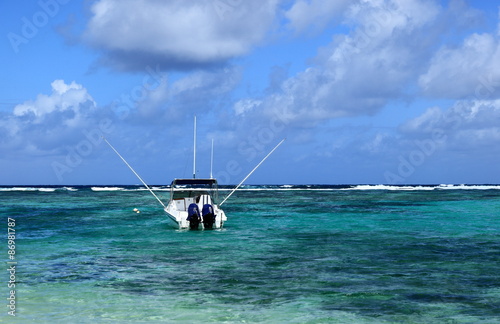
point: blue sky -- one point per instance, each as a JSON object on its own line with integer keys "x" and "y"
{"x": 372, "y": 91}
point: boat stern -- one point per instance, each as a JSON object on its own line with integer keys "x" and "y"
{"x": 176, "y": 218}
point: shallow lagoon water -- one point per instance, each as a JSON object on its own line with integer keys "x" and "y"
{"x": 286, "y": 255}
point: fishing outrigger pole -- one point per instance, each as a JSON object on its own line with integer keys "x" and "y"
{"x": 252, "y": 171}
{"x": 136, "y": 174}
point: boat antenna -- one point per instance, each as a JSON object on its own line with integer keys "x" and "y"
{"x": 137, "y": 175}
{"x": 252, "y": 172}
{"x": 212, "y": 160}
{"x": 194, "y": 150}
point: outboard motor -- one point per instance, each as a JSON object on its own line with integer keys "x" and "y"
{"x": 208, "y": 216}
{"x": 193, "y": 218}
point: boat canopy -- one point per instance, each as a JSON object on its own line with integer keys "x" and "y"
{"x": 194, "y": 182}
{"x": 192, "y": 188}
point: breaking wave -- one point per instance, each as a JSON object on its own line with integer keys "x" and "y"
{"x": 37, "y": 188}
{"x": 262, "y": 187}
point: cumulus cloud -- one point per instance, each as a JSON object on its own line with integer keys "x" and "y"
{"x": 70, "y": 99}
{"x": 52, "y": 121}
{"x": 316, "y": 14}
{"x": 472, "y": 69}
{"x": 466, "y": 125}
{"x": 196, "y": 92}
{"x": 358, "y": 73}
{"x": 43, "y": 124}
{"x": 379, "y": 61}
{"x": 437, "y": 143}
{"x": 177, "y": 34}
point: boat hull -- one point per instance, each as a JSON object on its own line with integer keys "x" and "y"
{"x": 178, "y": 219}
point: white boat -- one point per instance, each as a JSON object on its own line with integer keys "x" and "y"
{"x": 193, "y": 202}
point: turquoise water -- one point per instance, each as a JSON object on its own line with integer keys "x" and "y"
{"x": 310, "y": 255}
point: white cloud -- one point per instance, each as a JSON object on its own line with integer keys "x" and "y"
{"x": 379, "y": 61}
{"x": 72, "y": 98}
{"x": 177, "y": 34}
{"x": 218, "y": 82}
{"x": 473, "y": 69}
{"x": 304, "y": 15}
{"x": 195, "y": 93}
{"x": 50, "y": 120}
{"x": 242, "y": 106}
{"x": 468, "y": 125}
{"x": 426, "y": 122}
{"x": 358, "y": 73}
